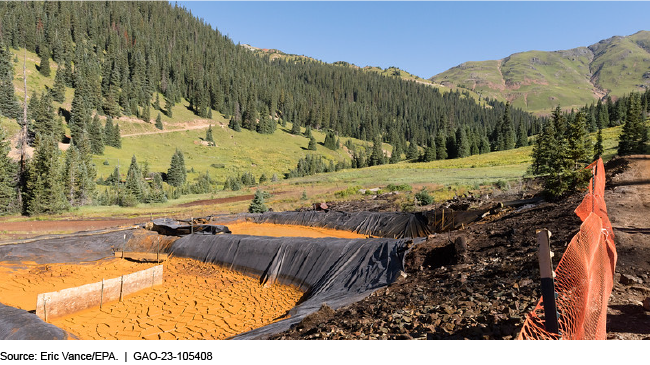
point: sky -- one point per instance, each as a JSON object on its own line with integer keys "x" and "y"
{"x": 421, "y": 37}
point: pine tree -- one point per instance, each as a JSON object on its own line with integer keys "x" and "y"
{"x": 257, "y": 205}
{"x": 96, "y": 135}
{"x": 9, "y": 106}
{"x": 578, "y": 141}
{"x": 208, "y": 135}
{"x": 44, "y": 67}
{"x": 430, "y": 151}
{"x": 330, "y": 140}
{"x": 146, "y": 114}
{"x": 295, "y": 128}
{"x": 396, "y": 156}
{"x": 412, "y": 153}
{"x": 58, "y": 89}
{"x": 8, "y": 177}
{"x": 135, "y": 185}
{"x": 44, "y": 191}
{"x": 312, "y": 144}
{"x": 377, "y": 155}
{"x": 116, "y": 138}
{"x": 463, "y": 143}
{"x": 441, "y": 147}
{"x": 234, "y": 125}
{"x": 598, "y": 147}
{"x": 159, "y": 124}
{"x": 634, "y": 135}
{"x": 177, "y": 175}
{"x": 522, "y": 136}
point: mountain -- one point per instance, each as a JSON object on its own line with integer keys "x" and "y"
{"x": 538, "y": 81}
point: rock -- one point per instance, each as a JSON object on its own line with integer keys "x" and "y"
{"x": 627, "y": 279}
{"x": 646, "y": 304}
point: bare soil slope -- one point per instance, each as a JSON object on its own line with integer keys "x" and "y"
{"x": 628, "y": 205}
{"x": 486, "y": 291}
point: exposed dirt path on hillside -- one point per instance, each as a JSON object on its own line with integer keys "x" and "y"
{"x": 187, "y": 128}
{"x": 628, "y": 206}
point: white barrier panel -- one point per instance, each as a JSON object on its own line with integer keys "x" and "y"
{"x": 71, "y": 300}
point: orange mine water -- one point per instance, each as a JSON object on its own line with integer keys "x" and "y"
{"x": 196, "y": 301}
{"x": 287, "y": 230}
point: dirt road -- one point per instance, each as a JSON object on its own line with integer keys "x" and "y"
{"x": 628, "y": 206}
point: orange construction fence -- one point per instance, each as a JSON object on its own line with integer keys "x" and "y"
{"x": 585, "y": 274}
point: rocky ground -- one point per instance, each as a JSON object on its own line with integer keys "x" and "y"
{"x": 480, "y": 282}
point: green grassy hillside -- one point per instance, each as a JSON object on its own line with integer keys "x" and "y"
{"x": 538, "y": 81}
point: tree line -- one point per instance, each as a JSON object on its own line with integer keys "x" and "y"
{"x": 127, "y": 58}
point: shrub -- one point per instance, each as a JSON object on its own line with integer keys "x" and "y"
{"x": 403, "y": 187}
{"x": 423, "y": 197}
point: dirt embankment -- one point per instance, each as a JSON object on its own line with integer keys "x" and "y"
{"x": 628, "y": 206}
{"x": 486, "y": 292}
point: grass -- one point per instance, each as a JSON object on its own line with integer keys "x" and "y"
{"x": 238, "y": 152}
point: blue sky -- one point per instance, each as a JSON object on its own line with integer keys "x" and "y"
{"x": 424, "y": 38}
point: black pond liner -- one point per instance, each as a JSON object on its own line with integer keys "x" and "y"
{"x": 332, "y": 271}
{"x": 377, "y": 224}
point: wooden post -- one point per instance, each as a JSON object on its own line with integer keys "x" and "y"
{"x": 121, "y": 287}
{"x": 101, "y": 296}
{"x": 191, "y": 225}
{"x": 548, "y": 285}
{"x": 45, "y": 308}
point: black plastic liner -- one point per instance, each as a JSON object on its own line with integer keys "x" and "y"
{"x": 18, "y": 324}
{"x": 171, "y": 227}
{"x": 331, "y": 271}
{"x": 67, "y": 248}
{"x": 377, "y": 224}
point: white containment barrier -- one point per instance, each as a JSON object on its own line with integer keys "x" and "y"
{"x": 71, "y": 300}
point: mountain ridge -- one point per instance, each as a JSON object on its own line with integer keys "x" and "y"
{"x": 538, "y": 81}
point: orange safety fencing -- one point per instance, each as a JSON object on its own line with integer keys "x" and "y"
{"x": 585, "y": 275}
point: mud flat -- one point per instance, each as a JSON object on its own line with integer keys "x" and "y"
{"x": 196, "y": 301}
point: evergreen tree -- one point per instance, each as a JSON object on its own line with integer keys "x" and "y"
{"x": 295, "y": 128}
{"x": 58, "y": 89}
{"x": 257, "y": 205}
{"x": 135, "y": 185}
{"x": 441, "y": 147}
{"x": 634, "y": 135}
{"x": 522, "y": 136}
{"x": 116, "y": 138}
{"x": 463, "y": 143}
{"x": 578, "y": 141}
{"x": 9, "y": 106}
{"x": 312, "y": 144}
{"x": 96, "y": 135}
{"x": 146, "y": 113}
{"x": 430, "y": 151}
{"x": 8, "y": 177}
{"x": 44, "y": 192}
{"x": 598, "y": 147}
{"x": 177, "y": 174}
{"x": 208, "y": 135}
{"x": 377, "y": 155}
{"x": 330, "y": 140}
{"x": 45, "y": 122}
{"x": 44, "y": 67}
{"x": 234, "y": 125}
{"x": 159, "y": 124}
{"x": 308, "y": 131}
{"x": 412, "y": 153}
{"x": 396, "y": 156}
{"x": 156, "y": 103}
